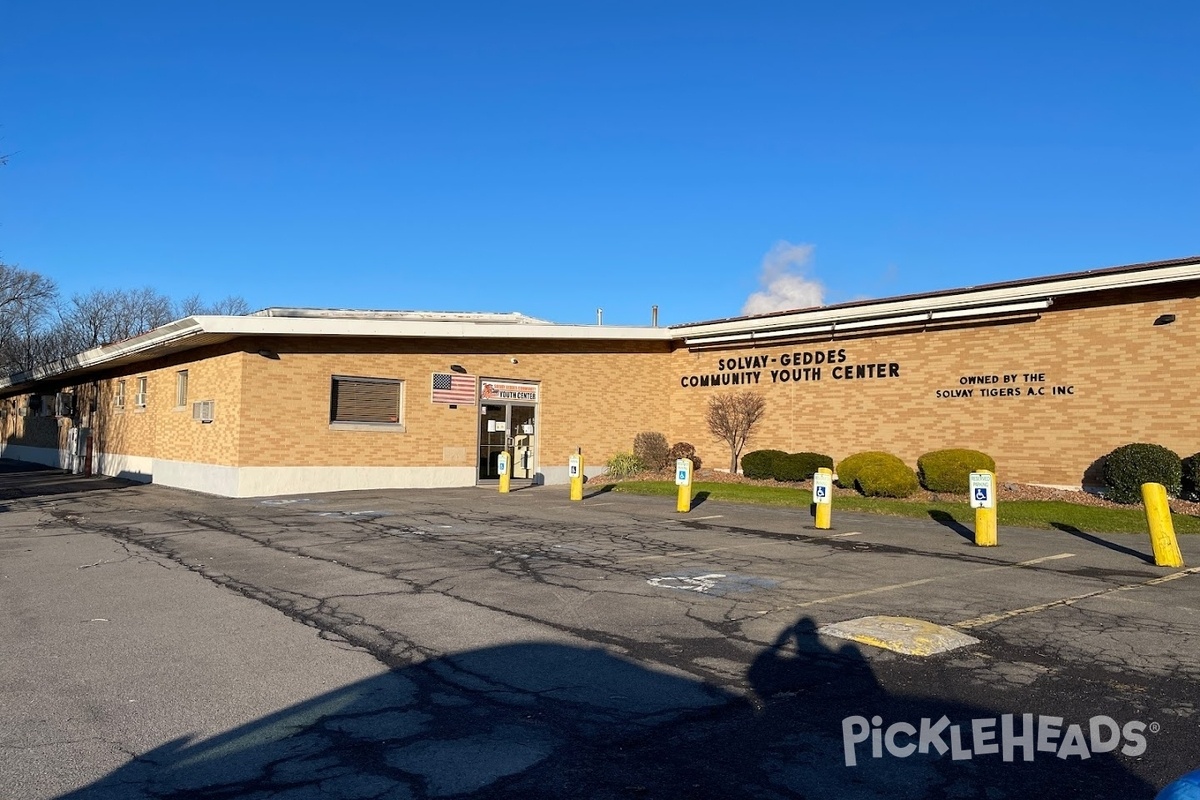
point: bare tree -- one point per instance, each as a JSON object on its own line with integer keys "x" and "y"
{"x": 25, "y": 301}
{"x": 231, "y": 306}
{"x": 732, "y": 417}
{"x": 102, "y": 316}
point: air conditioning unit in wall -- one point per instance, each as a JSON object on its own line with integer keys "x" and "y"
{"x": 202, "y": 410}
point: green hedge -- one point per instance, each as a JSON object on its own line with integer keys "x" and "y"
{"x": 1191, "y": 478}
{"x": 1131, "y": 465}
{"x": 886, "y": 479}
{"x": 781, "y": 466}
{"x": 849, "y": 467}
{"x": 796, "y": 467}
{"x": 950, "y": 470}
{"x": 760, "y": 463}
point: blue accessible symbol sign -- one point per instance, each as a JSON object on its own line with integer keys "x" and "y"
{"x": 983, "y": 490}
{"x": 820, "y": 492}
{"x": 682, "y": 476}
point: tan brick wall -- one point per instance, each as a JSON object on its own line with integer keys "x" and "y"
{"x": 1132, "y": 381}
{"x": 160, "y": 430}
{"x": 1129, "y": 380}
{"x": 597, "y": 395}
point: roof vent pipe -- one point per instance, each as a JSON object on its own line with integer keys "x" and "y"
{"x": 599, "y": 316}
{"x": 654, "y": 316}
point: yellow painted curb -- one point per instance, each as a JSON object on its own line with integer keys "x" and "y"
{"x": 907, "y": 635}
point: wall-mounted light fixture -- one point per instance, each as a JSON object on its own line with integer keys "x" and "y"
{"x": 1165, "y": 319}
{"x": 271, "y": 354}
{"x": 458, "y": 368}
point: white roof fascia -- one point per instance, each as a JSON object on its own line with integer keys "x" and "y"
{"x": 965, "y": 299}
{"x": 98, "y": 356}
{"x": 436, "y": 329}
{"x": 231, "y": 327}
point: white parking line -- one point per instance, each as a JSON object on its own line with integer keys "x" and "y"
{"x": 909, "y": 584}
{"x": 987, "y": 619}
{"x": 842, "y": 535}
{"x": 712, "y": 516}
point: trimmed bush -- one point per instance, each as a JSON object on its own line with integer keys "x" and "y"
{"x": 683, "y": 450}
{"x": 950, "y": 470}
{"x": 799, "y": 466}
{"x": 885, "y": 478}
{"x": 849, "y": 467}
{"x": 651, "y": 449}
{"x": 1191, "y": 478}
{"x": 623, "y": 465}
{"x": 1131, "y": 465}
{"x": 760, "y": 463}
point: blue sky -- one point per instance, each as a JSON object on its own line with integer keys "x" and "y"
{"x": 556, "y": 157}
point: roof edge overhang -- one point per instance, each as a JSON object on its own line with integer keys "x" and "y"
{"x": 199, "y": 331}
{"x": 1001, "y": 299}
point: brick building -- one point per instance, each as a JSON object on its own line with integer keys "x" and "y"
{"x": 1046, "y": 375}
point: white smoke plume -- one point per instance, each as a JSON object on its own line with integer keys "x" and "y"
{"x": 785, "y": 281}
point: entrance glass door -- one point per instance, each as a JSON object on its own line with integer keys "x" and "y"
{"x": 506, "y": 426}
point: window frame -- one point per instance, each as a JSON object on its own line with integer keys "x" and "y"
{"x": 119, "y": 395}
{"x": 143, "y": 385}
{"x": 181, "y": 389}
{"x": 397, "y": 426}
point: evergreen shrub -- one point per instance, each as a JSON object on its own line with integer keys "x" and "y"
{"x": 1131, "y": 465}
{"x": 950, "y": 470}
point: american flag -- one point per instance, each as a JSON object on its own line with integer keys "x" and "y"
{"x": 448, "y": 388}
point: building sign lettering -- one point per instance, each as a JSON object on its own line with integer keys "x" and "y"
{"x": 795, "y": 367}
{"x": 1008, "y": 384}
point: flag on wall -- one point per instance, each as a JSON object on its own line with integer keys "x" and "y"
{"x": 451, "y": 388}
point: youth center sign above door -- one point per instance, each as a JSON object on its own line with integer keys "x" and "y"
{"x": 801, "y": 365}
{"x": 505, "y": 392}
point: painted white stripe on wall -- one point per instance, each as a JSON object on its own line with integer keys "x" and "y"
{"x": 47, "y": 456}
{"x": 560, "y": 475}
{"x": 252, "y": 481}
{"x": 207, "y": 478}
{"x": 266, "y": 481}
{"x": 119, "y": 465}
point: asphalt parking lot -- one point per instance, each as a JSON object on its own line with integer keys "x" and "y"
{"x": 443, "y": 643}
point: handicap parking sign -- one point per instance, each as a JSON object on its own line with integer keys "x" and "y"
{"x": 823, "y": 488}
{"x": 983, "y": 492}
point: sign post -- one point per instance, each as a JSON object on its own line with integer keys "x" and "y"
{"x": 982, "y": 485}
{"x": 504, "y": 465}
{"x": 683, "y": 479}
{"x": 823, "y": 497}
{"x": 575, "y": 473}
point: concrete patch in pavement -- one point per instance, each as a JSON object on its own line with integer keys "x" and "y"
{"x": 913, "y": 637}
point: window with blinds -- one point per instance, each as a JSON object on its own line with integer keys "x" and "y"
{"x": 371, "y": 400}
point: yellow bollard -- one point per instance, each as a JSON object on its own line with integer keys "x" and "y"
{"x": 1162, "y": 530}
{"x": 502, "y": 464}
{"x": 983, "y": 500}
{"x": 823, "y": 497}
{"x": 683, "y": 479}
{"x": 575, "y": 473}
